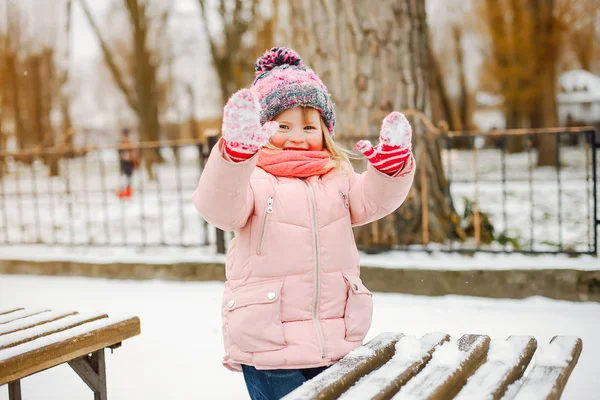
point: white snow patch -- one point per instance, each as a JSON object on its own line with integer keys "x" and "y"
{"x": 408, "y": 348}
{"x": 208, "y": 254}
{"x": 361, "y": 351}
{"x": 32, "y": 320}
{"x": 19, "y": 314}
{"x": 62, "y": 323}
{"x": 555, "y": 354}
{"x": 448, "y": 355}
{"x": 503, "y": 355}
{"x": 408, "y": 351}
{"x": 58, "y": 337}
{"x": 310, "y": 388}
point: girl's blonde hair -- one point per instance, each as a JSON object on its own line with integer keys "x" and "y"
{"x": 340, "y": 157}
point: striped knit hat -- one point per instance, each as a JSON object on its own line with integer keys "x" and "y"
{"x": 283, "y": 82}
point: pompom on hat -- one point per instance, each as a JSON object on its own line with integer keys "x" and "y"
{"x": 283, "y": 82}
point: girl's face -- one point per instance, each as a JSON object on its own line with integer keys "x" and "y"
{"x": 299, "y": 129}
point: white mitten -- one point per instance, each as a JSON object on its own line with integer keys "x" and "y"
{"x": 241, "y": 130}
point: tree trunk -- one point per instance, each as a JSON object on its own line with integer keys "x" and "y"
{"x": 463, "y": 103}
{"x": 48, "y": 100}
{"x": 64, "y": 95}
{"x": 36, "y": 78}
{"x": 544, "y": 114}
{"x": 374, "y": 60}
{"x": 2, "y": 135}
{"x": 13, "y": 76}
{"x": 439, "y": 95}
{"x": 506, "y": 41}
{"x": 145, "y": 83}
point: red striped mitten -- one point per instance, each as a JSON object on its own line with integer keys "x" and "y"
{"x": 394, "y": 148}
{"x": 242, "y": 132}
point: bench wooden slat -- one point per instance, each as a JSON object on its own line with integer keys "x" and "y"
{"x": 9, "y": 310}
{"x": 38, "y": 331}
{"x": 31, "y": 357}
{"x": 33, "y": 320}
{"x": 506, "y": 362}
{"x": 554, "y": 363}
{"x": 411, "y": 356}
{"x": 335, "y": 380}
{"x": 12, "y": 316}
{"x": 447, "y": 372}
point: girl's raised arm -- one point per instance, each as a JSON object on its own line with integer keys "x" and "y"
{"x": 381, "y": 189}
{"x": 223, "y": 196}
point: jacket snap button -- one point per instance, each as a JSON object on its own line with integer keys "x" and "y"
{"x": 270, "y": 295}
{"x": 355, "y": 286}
{"x": 231, "y": 303}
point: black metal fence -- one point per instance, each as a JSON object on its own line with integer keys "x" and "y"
{"x": 531, "y": 209}
{"x": 506, "y": 202}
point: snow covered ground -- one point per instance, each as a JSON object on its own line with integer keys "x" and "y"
{"x": 83, "y": 209}
{"x": 208, "y": 254}
{"x": 178, "y": 354}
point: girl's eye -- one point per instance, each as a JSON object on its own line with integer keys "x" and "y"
{"x": 283, "y": 126}
{"x": 309, "y": 128}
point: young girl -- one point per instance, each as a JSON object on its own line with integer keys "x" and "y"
{"x": 294, "y": 302}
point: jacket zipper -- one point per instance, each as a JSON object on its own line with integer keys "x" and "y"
{"x": 344, "y": 199}
{"x": 315, "y": 316}
{"x": 263, "y": 226}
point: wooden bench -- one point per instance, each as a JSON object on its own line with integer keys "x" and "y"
{"x": 34, "y": 340}
{"x": 394, "y": 366}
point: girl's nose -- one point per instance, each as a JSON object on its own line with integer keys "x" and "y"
{"x": 297, "y": 136}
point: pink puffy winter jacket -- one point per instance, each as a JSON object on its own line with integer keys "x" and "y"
{"x": 293, "y": 296}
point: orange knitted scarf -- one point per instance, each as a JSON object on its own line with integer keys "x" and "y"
{"x": 295, "y": 163}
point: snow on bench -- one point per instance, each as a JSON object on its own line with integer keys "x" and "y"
{"x": 452, "y": 363}
{"x": 410, "y": 357}
{"x": 335, "y": 380}
{"x": 34, "y": 340}
{"x": 394, "y": 366}
{"x": 551, "y": 370}
{"x": 506, "y": 362}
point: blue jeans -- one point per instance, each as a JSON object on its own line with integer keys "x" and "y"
{"x": 275, "y": 383}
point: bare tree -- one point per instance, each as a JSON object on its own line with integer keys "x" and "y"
{"x": 12, "y": 93}
{"x": 451, "y": 64}
{"x": 143, "y": 97}
{"x": 63, "y": 93}
{"x": 464, "y": 107}
{"x": 528, "y": 40}
{"x": 246, "y": 33}
{"x": 376, "y": 59}
{"x": 580, "y": 22}
{"x": 546, "y": 42}
{"x": 3, "y": 89}
{"x": 441, "y": 104}
{"x": 30, "y": 70}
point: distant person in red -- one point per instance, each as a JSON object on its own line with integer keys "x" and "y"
{"x": 128, "y": 160}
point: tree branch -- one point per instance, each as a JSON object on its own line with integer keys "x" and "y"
{"x": 211, "y": 40}
{"x": 109, "y": 60}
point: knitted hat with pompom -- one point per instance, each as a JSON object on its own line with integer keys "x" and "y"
{"x": 283, "y": 82}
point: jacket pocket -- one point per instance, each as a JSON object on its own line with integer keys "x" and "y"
{"x": 263, "y": 225}
{"x": 359, "y": 309}
{"x": 253, "y": 315}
